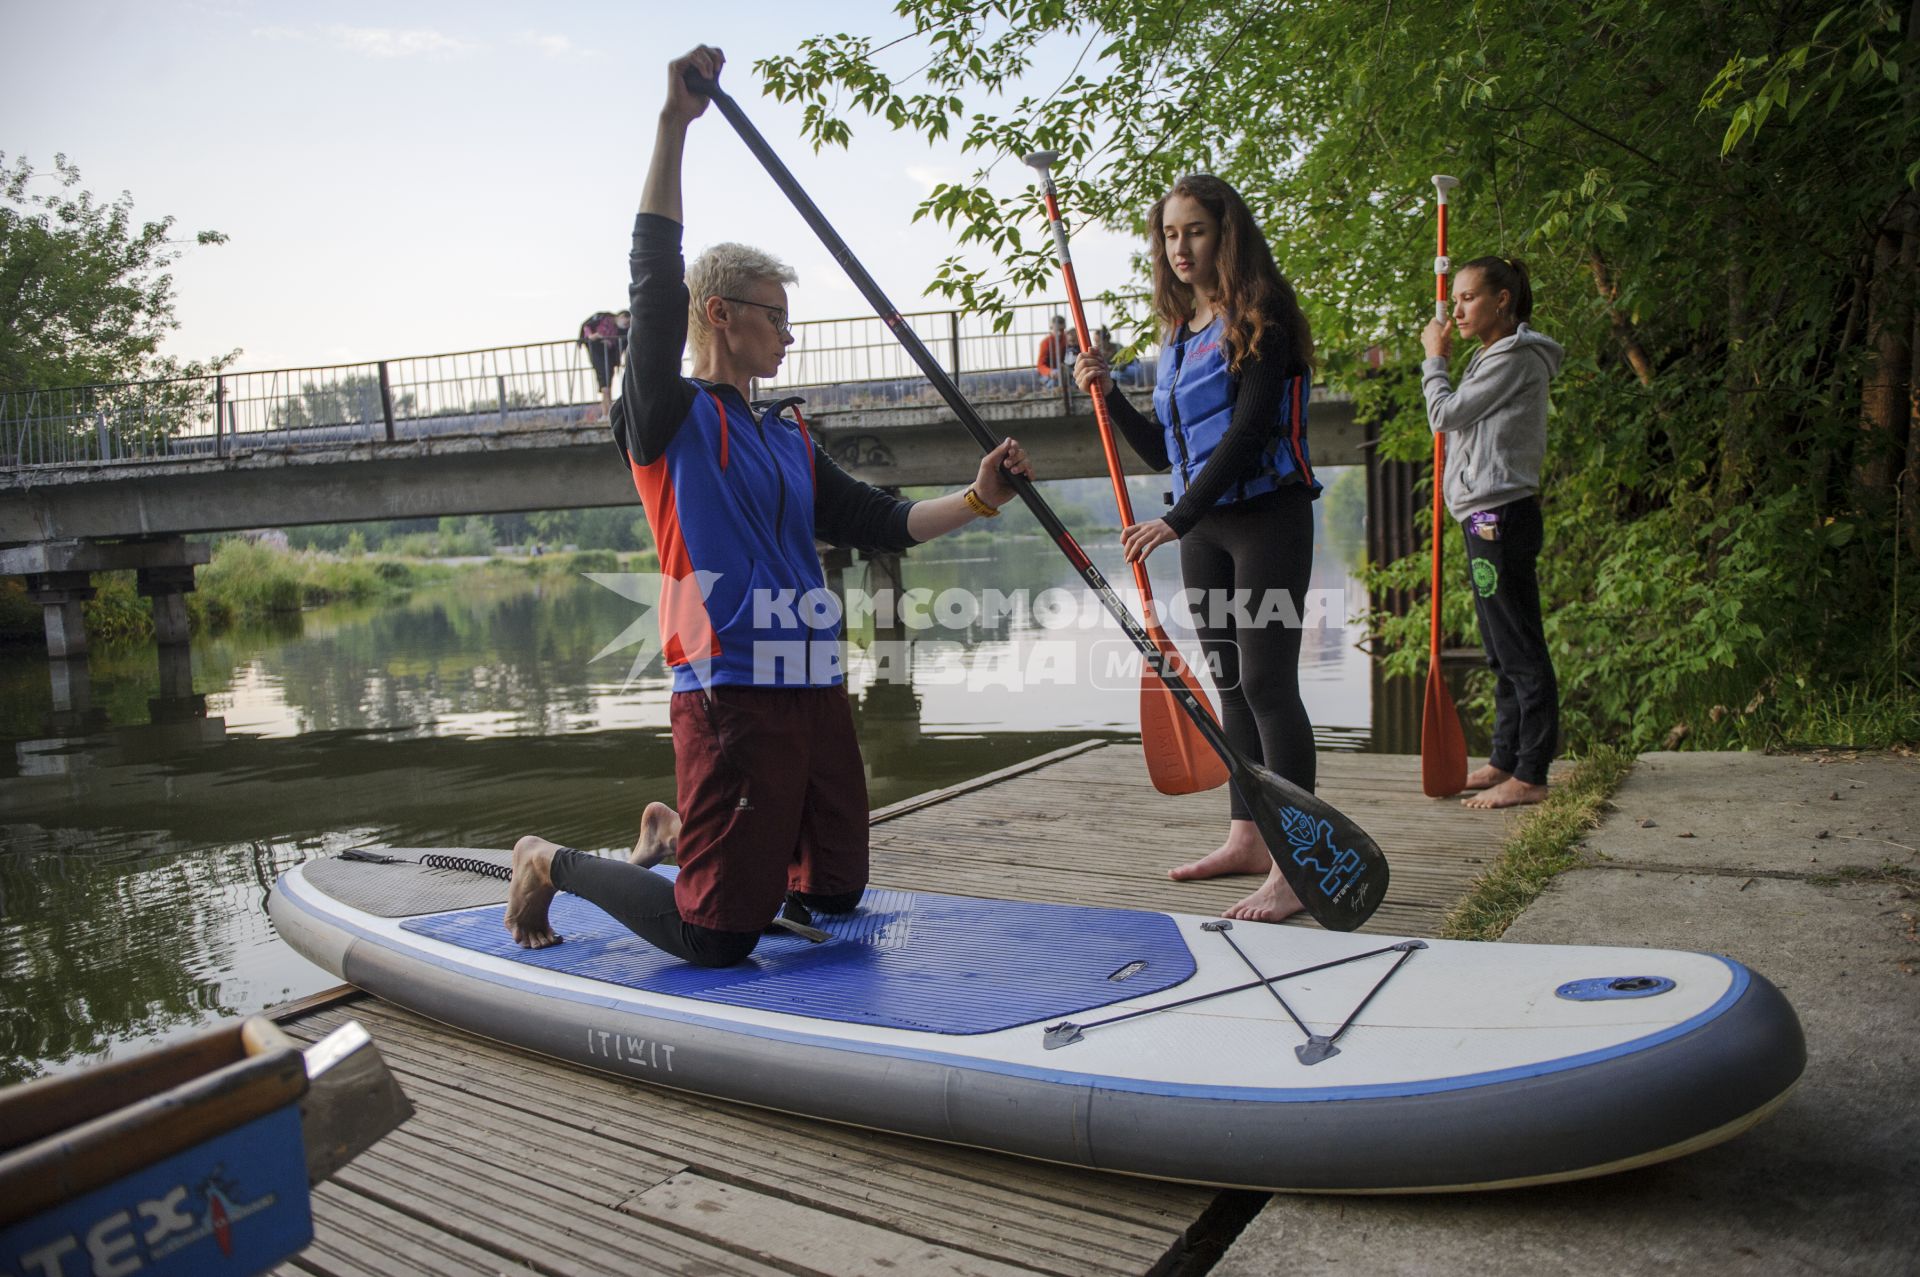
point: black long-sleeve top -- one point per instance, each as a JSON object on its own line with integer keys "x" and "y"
{"x": 1259, "y": 389}
{"x": 654, "y": 397}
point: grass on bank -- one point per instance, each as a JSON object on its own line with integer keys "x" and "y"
{"x": 1540, "y": 848}
{"x": 247, "y": 581}
{"x": 1879, "y": 713}
{"x": 1873, "y": 708}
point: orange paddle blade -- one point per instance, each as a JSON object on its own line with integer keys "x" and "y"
{"x": 1179, "y": 760}
{"x": 1443, "y": 746}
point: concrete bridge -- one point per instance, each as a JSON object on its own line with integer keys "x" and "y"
{"x": 117, "y": 477}
{"x": 541, "y": 459}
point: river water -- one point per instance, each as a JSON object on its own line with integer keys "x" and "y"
{"x": 137, "y": 844}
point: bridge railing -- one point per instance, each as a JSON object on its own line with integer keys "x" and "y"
{"x": 839, "y": 365}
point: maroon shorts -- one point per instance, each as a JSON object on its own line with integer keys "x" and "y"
{"x": 773, "y": 798}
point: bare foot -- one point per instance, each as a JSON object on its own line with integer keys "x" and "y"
{"x": 1242, "y": 853}
{"x": 1510, "y": 792}
{"x": 1273, "y": 901}
{"x": 659, "y": 835}
{"x": 1485, "y": 777}
{"x": 530, "y": 893}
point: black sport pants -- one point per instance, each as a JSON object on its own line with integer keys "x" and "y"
{"x": 642, "y": 901}
{"x": 1262, "y": 544}
{"x": 605, "y": 358}
{"x": 1506, "y": 597}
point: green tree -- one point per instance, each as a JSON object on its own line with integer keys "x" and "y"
{"x": 85, "y": 294}
{"x": 471, "y": 535}
{"x": 1717, "y": 201}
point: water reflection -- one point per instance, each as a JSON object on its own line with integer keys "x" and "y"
{"x": 146, "y": 811}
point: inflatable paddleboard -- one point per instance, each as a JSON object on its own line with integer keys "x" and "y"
{"x": 1165, "y": 1045}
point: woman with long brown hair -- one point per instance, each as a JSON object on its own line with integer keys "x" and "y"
{"x": 1231, "y": 397}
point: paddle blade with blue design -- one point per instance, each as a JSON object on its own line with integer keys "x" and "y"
{"x": 1337, "y": 871}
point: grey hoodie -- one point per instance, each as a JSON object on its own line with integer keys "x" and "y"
{"x": 1497, "y": 420}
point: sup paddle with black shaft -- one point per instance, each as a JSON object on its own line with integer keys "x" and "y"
{"x": 1179, "y": 760}
{"x": 1337, "y": 871}
{"x": 1443, "y": 746}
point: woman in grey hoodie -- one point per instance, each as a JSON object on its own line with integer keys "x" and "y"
{"x": 1496, "y": 426}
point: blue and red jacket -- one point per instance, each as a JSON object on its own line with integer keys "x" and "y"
{"x": 735, "y": 498}
{"x": 1194, "y": 397}
{"x": 1226, "y": 436}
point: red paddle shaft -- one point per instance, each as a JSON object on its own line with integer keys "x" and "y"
{"x": 1443, "y": 747}
{"x": 1041, "y": 162}
{"x": 1441, "y": 266}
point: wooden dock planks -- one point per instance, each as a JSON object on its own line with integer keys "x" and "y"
{"x": 1089, "y": 829}
{"x": 514, "y": 1163}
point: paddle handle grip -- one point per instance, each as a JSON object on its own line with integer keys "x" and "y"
{"x": 1442, "y": 266}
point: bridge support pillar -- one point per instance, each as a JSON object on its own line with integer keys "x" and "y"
{"x": 177, "y": 701}
{"x": 1393, "y": 515}
{"x": 884, "y": 573}
{"x": 167, "y": 588}
{"x": 60, "y": 596}
{"x": 72, "y": 681}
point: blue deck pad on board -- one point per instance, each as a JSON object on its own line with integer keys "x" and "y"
{"x": 904, "y": 960}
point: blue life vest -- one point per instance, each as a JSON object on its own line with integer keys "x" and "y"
{"x": 730, "y": 503}
{"x": 1193, "y": 398}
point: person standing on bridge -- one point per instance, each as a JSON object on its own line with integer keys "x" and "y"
{"x": 1496, "y": 423}
{"x": 1231, "y": 397}
{"x": 604, "y": 334}
{"x": 1058, "y": 349}
{"x": 772, "y": 793}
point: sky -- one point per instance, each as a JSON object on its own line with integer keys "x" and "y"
{"x": 408, "y": 179}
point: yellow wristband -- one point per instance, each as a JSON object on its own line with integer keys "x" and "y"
{"x": 979, "y": 507}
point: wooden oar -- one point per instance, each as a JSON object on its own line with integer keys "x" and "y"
{"x": 1338, "y": 872}
{"x": 1179, "y": 760}
{"x": 1443, "y": 746}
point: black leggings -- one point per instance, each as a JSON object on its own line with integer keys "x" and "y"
{"x": 1249, "y": 548}
{"x": 642, "y": 902}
